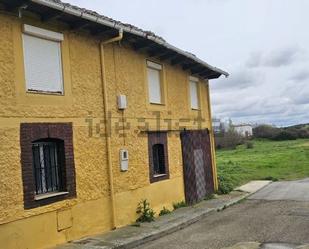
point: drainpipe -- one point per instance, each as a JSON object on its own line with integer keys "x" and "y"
{"x": 212, "y": 142}
{"x": 108, "y": 139}
{"x": 20, "y": 10}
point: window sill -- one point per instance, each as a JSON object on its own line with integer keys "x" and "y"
{"x": 157, "y": 104}
{"x": 45, "y": 92}
{"x": 49, "y": 195}
{"x": 159, "y": 175}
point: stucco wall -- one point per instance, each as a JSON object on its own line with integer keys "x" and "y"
{"x": 82, "y": 105}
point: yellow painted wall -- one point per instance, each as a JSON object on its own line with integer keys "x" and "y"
{"x": 82, "y": 104}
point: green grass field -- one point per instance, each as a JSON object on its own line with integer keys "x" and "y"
{"x": 283, "y": 160}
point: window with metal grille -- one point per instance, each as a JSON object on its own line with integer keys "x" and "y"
{"x": 48, "y": 165}
{"x": 158, "y": 159}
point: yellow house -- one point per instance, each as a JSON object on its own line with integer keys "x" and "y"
{"x": 95, "y": 115}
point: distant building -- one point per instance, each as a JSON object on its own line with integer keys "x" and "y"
{"x": 221, "y": 125}
{"x": 216, "y": 125}
{"x": 244, "y": 130}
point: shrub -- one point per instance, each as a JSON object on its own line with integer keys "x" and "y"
{"x": 271, "y": 178}
{"x": 285, "y": 135}
{"x": 164, "y": 211}
{"x": 249, "y": 145}
{"x": 228, "y": 140}
{"x": 265, "y": 131}
{"x": 225, "y": 185}
{"x": 145, "y": 212}
{"x": 180, "y": 204}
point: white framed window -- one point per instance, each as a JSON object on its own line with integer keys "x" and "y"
{"x": 154, "y": 72}
{"x": 194, "y": 93}
{"x": 42, "y": 60}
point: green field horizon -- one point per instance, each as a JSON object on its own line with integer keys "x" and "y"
{"x": 276, "y": 160}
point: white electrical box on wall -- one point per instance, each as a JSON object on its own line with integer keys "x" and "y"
{"x": 122, "y": 102}
{"x": 124, "y": 160}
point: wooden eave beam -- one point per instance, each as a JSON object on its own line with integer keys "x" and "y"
{"x": 178, "y": 60}
{"x": 156, "y": 52}
{"x": 142, "y": 45}
{"x": 166, "y": 55}
{"x": 208, "y": 72}
{"x": 197, "y": 70}
{"x": 14, "y": 5}
{"x": 45, "y": 17}
{"x": 79, "y": 25}
{"x": 213, "y": 76}
{"x": 100, "y": 31}
{"x": 190, "y": 65}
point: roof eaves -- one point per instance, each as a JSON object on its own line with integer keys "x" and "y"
{"x": 106, "y": 21}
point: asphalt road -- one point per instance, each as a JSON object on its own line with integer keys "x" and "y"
{"x": 277, "y": 213}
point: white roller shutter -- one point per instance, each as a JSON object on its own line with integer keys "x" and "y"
{"x": 43, "y": 65}
{"x": 154, "y": 84}
{"x": 194, "y": 94}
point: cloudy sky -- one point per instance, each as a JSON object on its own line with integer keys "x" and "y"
{"x": 263, "y": 44}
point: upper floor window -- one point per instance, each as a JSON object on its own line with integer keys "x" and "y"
{"x": 48, "y": 166}
{"x": 154, "y": 72}
{"x": 42, "y": 60}
{"x": 194, "y": 93}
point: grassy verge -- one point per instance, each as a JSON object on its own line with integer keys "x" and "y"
{"x": 282, "y": 160}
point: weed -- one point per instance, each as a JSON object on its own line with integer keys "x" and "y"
{"x": 209, "y": 197}
{"x": 270, "y": 178}
{"x": 145, "y": 212}
{"x": 225, "y": 185}
{"x": 180, "y": 204}
{"x": 164, "y": 211}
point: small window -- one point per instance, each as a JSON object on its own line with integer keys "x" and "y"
{"x": 158, "y": 156}
{"x": 47, "y": 166}
{"x": 42, "y": 60}
{"x": 158, "y": 159}
{"x": 154, "y": 72}
{"x": 194, "y": 94}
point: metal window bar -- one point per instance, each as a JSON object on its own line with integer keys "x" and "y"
{"x": 46, "y": 167}
{"x": 158, "y": 159}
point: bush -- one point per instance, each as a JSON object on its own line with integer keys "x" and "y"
{"x": 249, "y": 145}
{"x": 265, "y": 131}
{"x": 285, "y": 135}
{"x": 271, "y": 178}
{"x": 180, "y": 204}
{"x": 145, "y": 211}
{"x": 279, "y": 134}
{"x": 164, "y": 211}
{"x": 228, "y": 140}
{"x": 225, "y": 185}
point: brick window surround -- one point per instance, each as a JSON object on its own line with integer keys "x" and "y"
{"x": 30, "y": 132}
{"x": 157, "y": 138}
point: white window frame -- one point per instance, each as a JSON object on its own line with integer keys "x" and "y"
{"x": 157, "y": 67}
{"x": 196, "y": 104}
{"x": 47, "y": 35}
